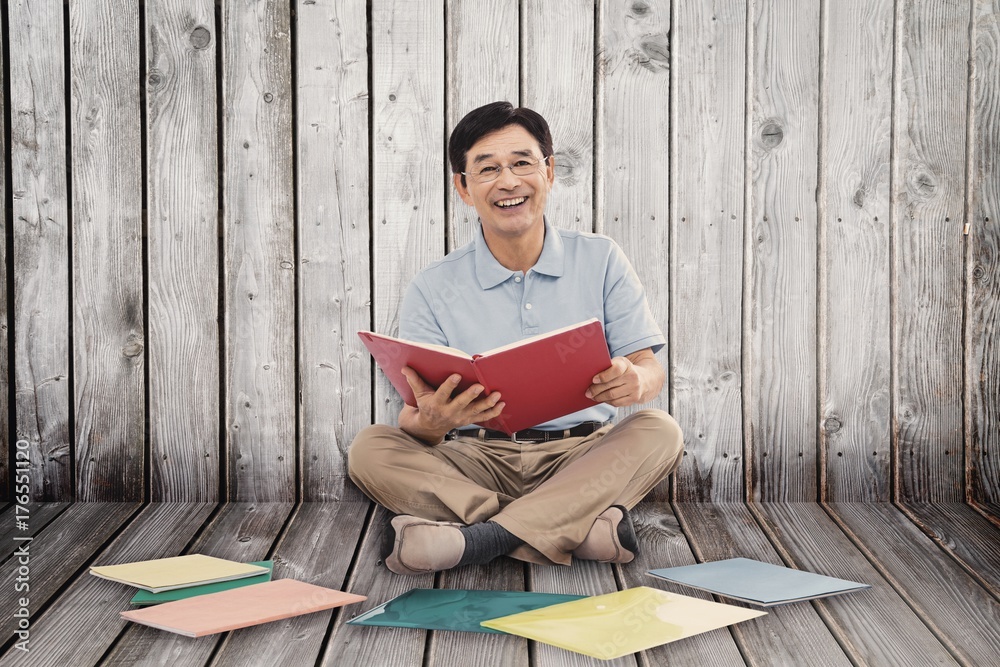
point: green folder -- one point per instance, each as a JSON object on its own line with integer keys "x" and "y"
{"x": 454, "y": 609}
{"x": 143, "y": 598}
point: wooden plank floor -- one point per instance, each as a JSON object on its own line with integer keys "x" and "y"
{"x": 934, "y": 571}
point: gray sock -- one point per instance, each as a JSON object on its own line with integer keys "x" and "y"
{"x": 485, "y": 541}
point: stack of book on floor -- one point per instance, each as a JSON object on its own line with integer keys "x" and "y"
{"x": 616, "y": 624}
{"x": 198, "y": 595}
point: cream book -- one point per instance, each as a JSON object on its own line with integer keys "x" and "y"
{"x": 166, "y": 574}
{"x": 610, "y": 626}
{"x": 240, "y": 607}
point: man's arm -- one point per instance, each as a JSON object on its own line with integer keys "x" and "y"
{"x": 631, "y": 380}
{"x": 437, "y": 412}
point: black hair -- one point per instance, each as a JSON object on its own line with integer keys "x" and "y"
{"x": 489, "y": 118}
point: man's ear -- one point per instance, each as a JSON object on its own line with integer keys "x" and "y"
{"x": 550, "y": 171}
{"x": 463, "y": 191}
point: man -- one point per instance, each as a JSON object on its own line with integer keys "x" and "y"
{"x": 466, "y": 495}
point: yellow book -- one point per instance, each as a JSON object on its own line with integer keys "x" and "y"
{"x": 610, "y": 626}
{"x": 167, "y": 574}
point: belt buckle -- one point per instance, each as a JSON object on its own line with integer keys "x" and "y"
{"x": 513, "y": 438}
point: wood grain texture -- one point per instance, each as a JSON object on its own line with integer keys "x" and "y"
{"x": 582, "y": 578}
{"x": 408, "y": 163}
{"x": 632, "y": 155}
{"x": 929, "y": 202}
{"x": 467, "y": 648}
{"x": 972, "y": 539}
{"x": 39, "y": 515}
{"x": 557, "y": 81}
{"x": 663, "y": 544}
{"x": 41, "y": 247}
{"x": 854, "y": 261}
{"x": 259, "y": 259}
{"x": 728, "y": 530}
{"x": 781, "y": 278}
{"x": 85, "y": 622}
{"x": 983, "y": 263}
{"x": 108, "y": 321}
{"x": 242, "y": 532}
{"x": 875, "y": 626}
{"x": 5, "y": 444}
{"x": 367, "y": 645}
{"x": 708, "y": 155}
{"x": 317, "y": 547}
{"x": 55, "y": 556}
{"x": 965, "y": 616}
{"x": 331, "y": 64}
{"x": 482, "y": 67}
{"x": 183, "y": 275}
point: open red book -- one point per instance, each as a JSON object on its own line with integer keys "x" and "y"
{"x": 539, "y": 378}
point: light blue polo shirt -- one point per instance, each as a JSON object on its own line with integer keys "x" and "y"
{"x": 471, "y": 302}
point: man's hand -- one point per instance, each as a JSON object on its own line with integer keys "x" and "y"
{"x": 632, "y": 379}
{"x": 437, "y": 412}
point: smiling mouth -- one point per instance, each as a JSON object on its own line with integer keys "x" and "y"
{"x": 510, "y": 203}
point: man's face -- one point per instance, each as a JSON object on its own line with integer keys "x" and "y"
{"x": 510, "y": 205}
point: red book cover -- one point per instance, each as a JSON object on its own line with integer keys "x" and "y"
{"x": 539, "y": 378}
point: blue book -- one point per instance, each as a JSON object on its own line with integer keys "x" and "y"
{"x": 757, "y": 583}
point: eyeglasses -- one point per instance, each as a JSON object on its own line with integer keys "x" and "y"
{"x": 486, "y": 173}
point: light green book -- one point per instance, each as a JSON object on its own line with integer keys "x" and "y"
{"x": 143, "y": 598}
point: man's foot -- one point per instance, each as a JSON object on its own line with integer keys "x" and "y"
{"x": 611, "y": 539}
{"x": 417, "y": 546}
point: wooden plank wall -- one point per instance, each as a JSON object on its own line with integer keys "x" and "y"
{"x": 246, "y": 184}
{"x": 6, "y": 425}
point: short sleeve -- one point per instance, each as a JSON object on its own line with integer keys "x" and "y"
{"x": 628, "y": 323}
{"x": 416, "y": 317}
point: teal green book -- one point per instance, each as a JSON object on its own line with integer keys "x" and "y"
{"x": 144, "y": 598}
{"x": 453, "y": 609}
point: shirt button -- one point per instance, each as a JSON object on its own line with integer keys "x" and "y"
{"x": 517, "y": 279}
{"x": 527, "y": 306}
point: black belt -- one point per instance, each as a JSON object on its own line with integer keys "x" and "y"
{"x": 528, "y": 434}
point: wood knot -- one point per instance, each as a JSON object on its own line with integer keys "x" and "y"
{"x": 201, "y": 37}
{"x": 859, "y": 198}
{"x": 771, "y": 135}
{"x": 654, "y": 53}
{"x": 833, "y": 425}
{"x": 568, "y": 165}
{"x": 921, "y": 185}
{"x": 639, "y": 9}
{"x": 133, "y": 348}
{"x": 155, "y": 79}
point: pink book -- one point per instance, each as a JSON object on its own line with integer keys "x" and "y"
{"x": 241, "y": 607}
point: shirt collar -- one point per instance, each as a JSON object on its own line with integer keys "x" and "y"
{"x": 491, "y": 273}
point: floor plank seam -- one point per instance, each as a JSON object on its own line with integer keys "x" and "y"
{"x": 897, "y": 586}
{"x": 56, "y": 596}
{"x": 349, "y": 575}
{"x": 840, "y": 636}
{"x": 934, "y": 537}
{"x": 985, "y": 512}
{"x": 734, "y": 630}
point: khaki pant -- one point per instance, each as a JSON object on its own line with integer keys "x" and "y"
{"x": 546, "y": 493}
